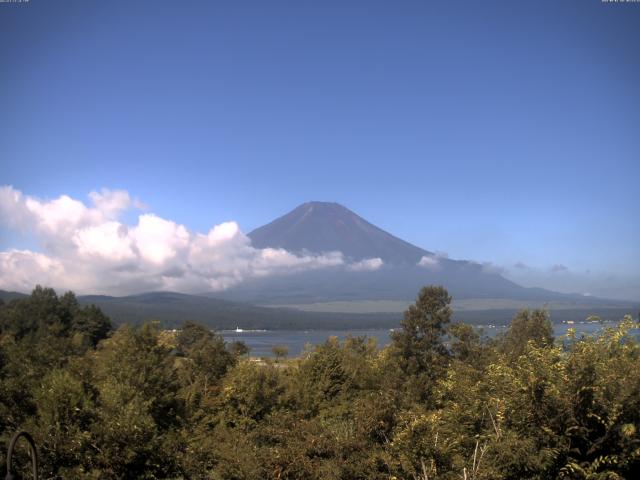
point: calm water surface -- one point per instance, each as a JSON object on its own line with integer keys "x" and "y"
{"x": 261, "y": 342}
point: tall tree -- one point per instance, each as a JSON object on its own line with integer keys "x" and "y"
{"x": 527, "y": 326}
{"x": 419, "y": 347}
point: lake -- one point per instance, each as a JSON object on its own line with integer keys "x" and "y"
{"x": 262, "y": 341}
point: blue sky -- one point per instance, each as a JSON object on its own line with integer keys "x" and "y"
{"x": 504, "y": 132}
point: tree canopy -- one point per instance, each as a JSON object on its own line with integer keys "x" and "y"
{"x": 441, "y": 401}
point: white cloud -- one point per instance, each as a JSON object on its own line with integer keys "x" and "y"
{"x": 432, "y": 262}
{"x": 109, "y": 240}
{"x": 89, "y": 250}
{"x": 158, "y": 240}
{"x": 112, "y": 202}
{"x": 19, "y": 267}
{"x": 366, "y": 265}
{"x": 57, "y": 221}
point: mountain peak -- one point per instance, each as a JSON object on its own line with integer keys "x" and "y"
{"x": 317, "y": 203}
{"x": 322, "y": 206}
{"x": 328, "y": 226}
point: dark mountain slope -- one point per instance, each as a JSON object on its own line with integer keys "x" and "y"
{"x": 324, "y": 227}
{"x": 321, "y": 227}
{"x": 6, "y": 296}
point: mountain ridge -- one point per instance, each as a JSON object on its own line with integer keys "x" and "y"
{"x": 329, "y": 226}
{"x": 319, "y": 227}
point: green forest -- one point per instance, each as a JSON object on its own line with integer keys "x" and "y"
{"x": 441, "y": 401}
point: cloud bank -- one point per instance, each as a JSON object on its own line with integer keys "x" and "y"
{"x": 432, "y": 261}
{"x": 366, "y": 265}
{"x": 429, "y": 262}
{"x": 86, "y": 248}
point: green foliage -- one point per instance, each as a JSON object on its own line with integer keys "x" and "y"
{"x": 440, "y": 402}
{"x": 527, "y": 326}
{"x": 418, "y": 347}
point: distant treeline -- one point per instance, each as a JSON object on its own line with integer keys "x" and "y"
{"x": 440, "y": 402}
{"x": 172, "y": 309}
